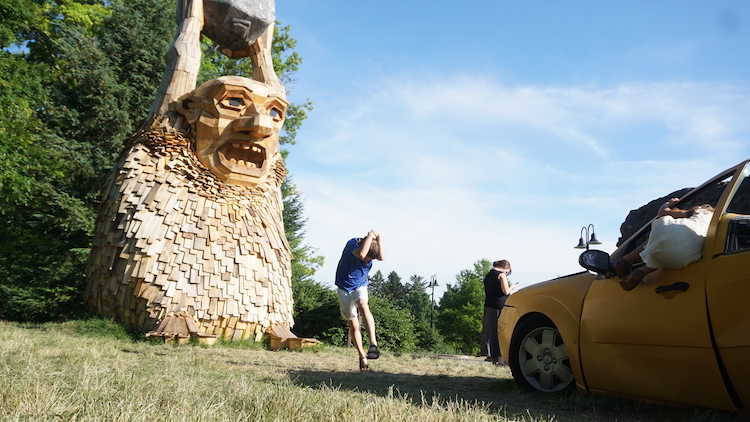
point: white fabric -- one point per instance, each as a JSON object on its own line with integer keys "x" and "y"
{"x": 348, "y": 301}
{"x": 676, "y": 242}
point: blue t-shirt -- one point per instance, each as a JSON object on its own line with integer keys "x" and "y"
{"x": 351, "y": 272}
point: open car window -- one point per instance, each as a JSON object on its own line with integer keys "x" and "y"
{"x": 708, "y": 193}
{"x": 740, "y": 203}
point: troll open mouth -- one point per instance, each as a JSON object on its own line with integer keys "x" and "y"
{"x": 242, "y": 155}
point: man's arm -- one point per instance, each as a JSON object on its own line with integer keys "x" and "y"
{"x": 364, "y": 248}
{"x": 669, "y": 208}
{"x": 379, "y": 238}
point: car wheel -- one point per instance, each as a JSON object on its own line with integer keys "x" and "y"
{"x": 538, "y": 358}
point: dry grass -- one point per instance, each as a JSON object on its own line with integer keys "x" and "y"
{"x": 51, "y": 373}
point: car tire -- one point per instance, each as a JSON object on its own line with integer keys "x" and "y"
{"x": 538, "y": 358}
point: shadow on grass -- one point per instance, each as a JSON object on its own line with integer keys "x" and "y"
{"x": 498, "y": 395}
{"x": 502, "y": 396}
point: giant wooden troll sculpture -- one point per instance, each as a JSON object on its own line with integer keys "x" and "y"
{"x": 190, "y": 223}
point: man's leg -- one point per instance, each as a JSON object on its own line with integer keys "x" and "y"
{"x": 369, "y": 321}
{"x": 349, "y": 312}
{"x": 356, "y": 335}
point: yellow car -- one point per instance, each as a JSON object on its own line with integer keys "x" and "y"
{"x": 680, "y": 337}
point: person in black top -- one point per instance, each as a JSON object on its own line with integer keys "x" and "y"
{"x": 496, "y": 291}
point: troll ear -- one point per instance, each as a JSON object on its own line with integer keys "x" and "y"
{"x": 189, "y": 106}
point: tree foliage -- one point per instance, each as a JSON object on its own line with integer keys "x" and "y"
{"x": 417, "y": 282}
{"x": 389, "y": 288}
{"x": 44, "y": 224}
{"x": 462, "y": 307}
{"x": 316, "y": 312}
{"x": 394, "y": 325}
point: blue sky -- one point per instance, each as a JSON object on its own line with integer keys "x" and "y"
{"x": 498, "y": 129}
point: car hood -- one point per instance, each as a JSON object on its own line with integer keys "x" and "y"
{"x": 560, "y": 299}
{"x": 558, "y": 287}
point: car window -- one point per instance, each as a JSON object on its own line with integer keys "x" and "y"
{"x": 709, "y": 193}
{"x": 738, "y": 235}
{"x": 740, "y": 203}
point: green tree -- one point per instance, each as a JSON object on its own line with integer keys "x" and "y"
{"x": 42, "y": 226}
{"x": 376, "y": 281}
{"x": 316, "y": 313}
{"x": 46, "y": 222}
{"x": 16, "y": 17}
{"x": 418, "y": 304}
{"x": 416, "y": 283}
{"x": 304, "y": 261}
{"x": 394, "y": 325}
{"x": 316, "y": 310}
{"x": 462, "y": 307}
{"x": 392, "y": 289}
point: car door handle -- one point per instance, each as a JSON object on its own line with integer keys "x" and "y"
{"x": 680, "y": 286}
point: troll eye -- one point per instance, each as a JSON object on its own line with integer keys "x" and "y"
{"x": 275, "y": 113}
{"x": 235, "y": 101}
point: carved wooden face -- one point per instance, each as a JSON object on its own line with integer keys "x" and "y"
{"x": 237, "y": 123}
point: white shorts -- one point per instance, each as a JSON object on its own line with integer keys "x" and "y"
{"x": 348, "y": 301}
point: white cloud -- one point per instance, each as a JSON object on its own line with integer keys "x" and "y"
{"x": 452, "y": 170}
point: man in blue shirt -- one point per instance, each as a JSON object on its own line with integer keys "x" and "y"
{"x": 351, "y": 280}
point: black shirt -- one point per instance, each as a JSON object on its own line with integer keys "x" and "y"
{"x": 493, "y": 290}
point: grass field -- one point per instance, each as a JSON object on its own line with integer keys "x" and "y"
{"x": 91, "y": 371}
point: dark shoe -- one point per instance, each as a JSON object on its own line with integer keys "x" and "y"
{"x": 363, "y": 366}
{"x": 631, "y": 281}
{"x": 373, "y": 352}
{"x": 623, "y": 268}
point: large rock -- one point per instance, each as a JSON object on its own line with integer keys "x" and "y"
{"x": 236, "y": 24}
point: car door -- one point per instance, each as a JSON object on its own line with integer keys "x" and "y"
{"x": 657, "y": 341}
{"x": 728, "y": 293}
{"x": 652, "y": 345}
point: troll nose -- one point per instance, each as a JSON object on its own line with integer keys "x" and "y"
{"x": 256, "y": 126}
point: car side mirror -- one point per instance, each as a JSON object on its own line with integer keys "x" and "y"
{"x": 598, "y": 262}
